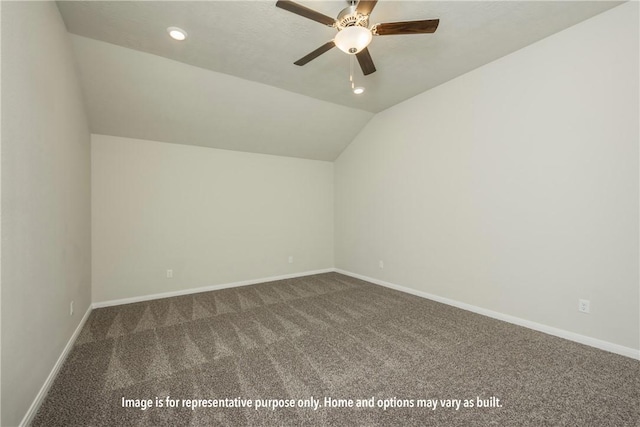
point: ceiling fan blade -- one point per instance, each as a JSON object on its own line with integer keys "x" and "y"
{"x": 305, "y": 11}
{"x": 365, "y": 61}
{"x": 407, "y": 27}
{"x": 313, "y": 55}
{"x": 366, "y": 6}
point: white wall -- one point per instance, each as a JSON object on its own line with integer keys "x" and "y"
{"x": 513, "y": 188}
{"x": 212, "y": 216}
{"x": 46, "y": 246}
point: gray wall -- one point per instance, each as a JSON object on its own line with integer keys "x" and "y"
{"x": 513, "y": 188}
{"x": 46, "y": 244}
{"x": 211, "y": 216}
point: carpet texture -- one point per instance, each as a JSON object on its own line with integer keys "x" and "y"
{"x": 330, "y": 335}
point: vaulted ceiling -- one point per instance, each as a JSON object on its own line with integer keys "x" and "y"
{"x": 232, "y": 84}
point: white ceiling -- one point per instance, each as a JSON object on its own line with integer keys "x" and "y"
{"x": 239, "y": 52}
{"x": 139, "y": 95}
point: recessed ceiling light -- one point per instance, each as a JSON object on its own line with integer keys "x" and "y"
{"x": 358, "y": 90}
{"x": 177, "y": 33}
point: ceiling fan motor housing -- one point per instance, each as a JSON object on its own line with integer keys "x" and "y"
{"x": 353, "y": 32}
{"x": 349, "y": 17}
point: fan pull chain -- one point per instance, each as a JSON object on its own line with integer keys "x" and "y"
{"x": 353, "y": 85}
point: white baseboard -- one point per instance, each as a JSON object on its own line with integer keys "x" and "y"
{"x": 571, "y": 336}
{"x": 33, "y": 409}
{"x": 207, "y": 288}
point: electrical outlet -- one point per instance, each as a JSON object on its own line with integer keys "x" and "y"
{"x": 290, "y": 259}
{"x": 169, "y": 274}
{"x": 584, "y": 305}
{"x": 381, "y": 264}
{"x": 71, "y": 309}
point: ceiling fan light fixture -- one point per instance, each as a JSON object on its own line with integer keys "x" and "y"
{"x": 177, "y": 33}
{"x": 352, "y": 40}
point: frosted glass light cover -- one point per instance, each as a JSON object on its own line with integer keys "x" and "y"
{"x": 352, "y": 40}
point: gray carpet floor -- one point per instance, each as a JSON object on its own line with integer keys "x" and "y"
{"x": 330, "y": 335}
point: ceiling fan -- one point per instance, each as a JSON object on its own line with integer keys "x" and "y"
{"x": 354, "y": 34}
